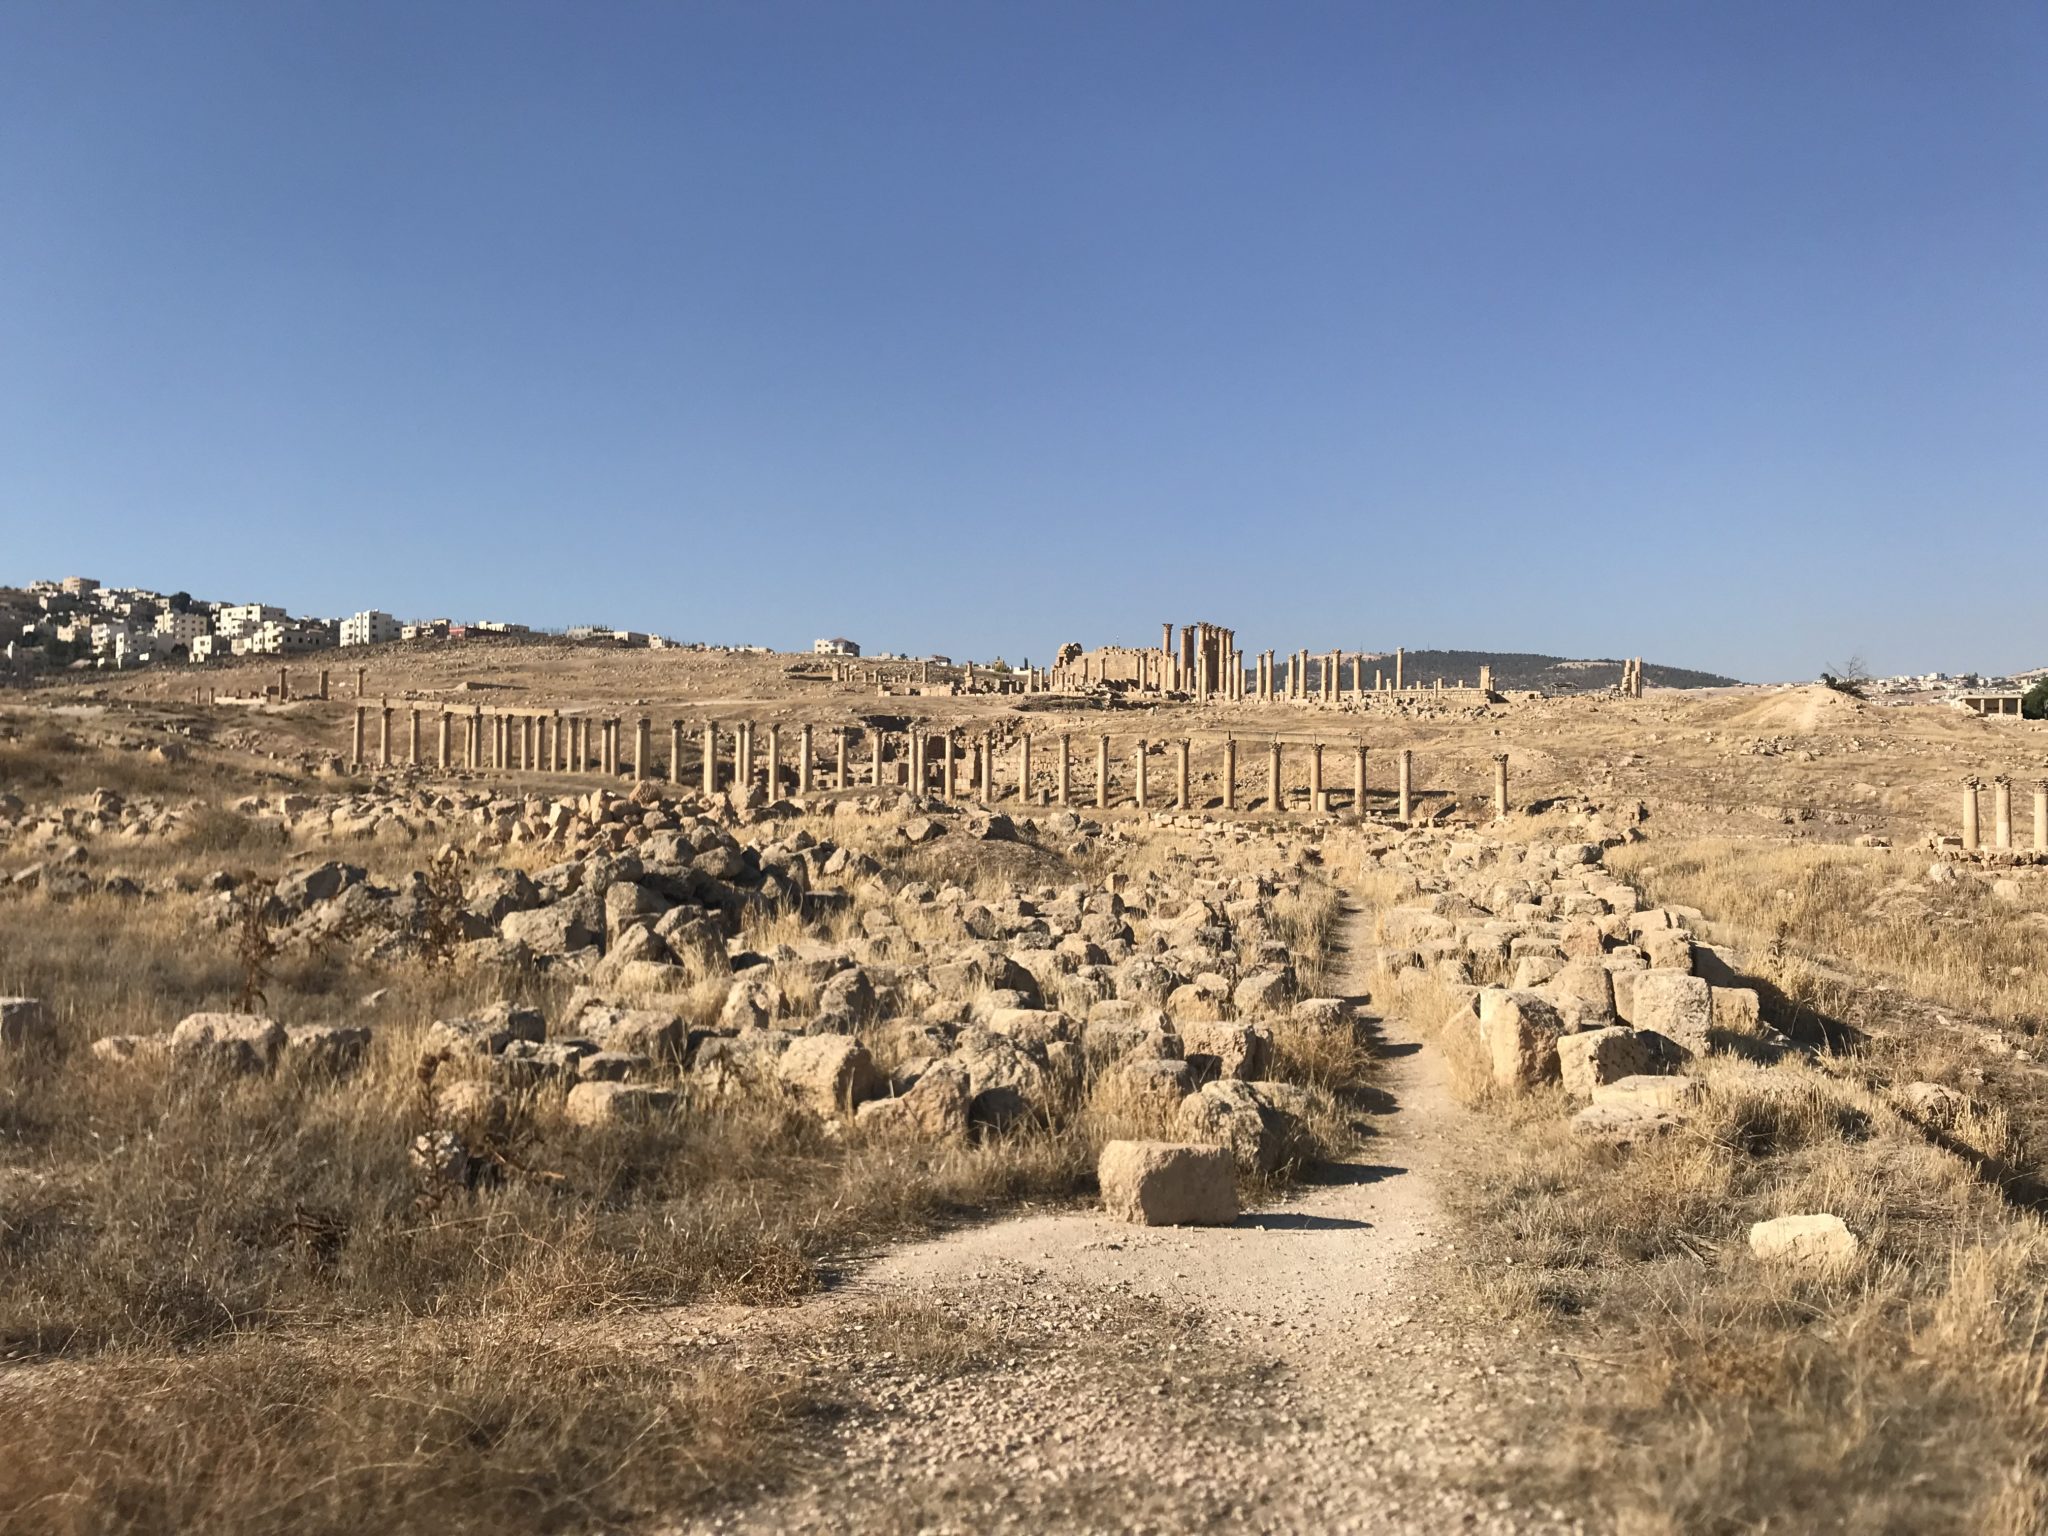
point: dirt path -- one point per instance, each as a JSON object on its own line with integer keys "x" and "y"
{"x": 1290, "y": 1373}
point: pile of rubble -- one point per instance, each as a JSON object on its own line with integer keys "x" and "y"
{"x": 1558, "y": 974}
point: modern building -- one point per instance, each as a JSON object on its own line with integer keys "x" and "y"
{"x": 839, "y": 645}
{"x": 201, "y": 648}
{"x": 369, "y": 628}
{"x": 78, "y": 586}
{"x": 237, "y": 619}
{"x": 181, "y": 629}
{"x": 107, "y": 634}
{"x": 284, "y": 638}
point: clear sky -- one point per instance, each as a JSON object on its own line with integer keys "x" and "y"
{"x": 1713, "y": 332}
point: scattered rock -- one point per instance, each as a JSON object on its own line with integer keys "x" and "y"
{"x": 1813, "y": 1241}
{"x": 1168, "y": 1184}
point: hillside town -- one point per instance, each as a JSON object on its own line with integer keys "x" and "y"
{"x": 76, "y": 622}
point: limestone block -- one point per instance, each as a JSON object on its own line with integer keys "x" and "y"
{"x": 1168, "y": 1184}
{"x": 1813, "y": 1241}
{"x": 604, "y": 1104}
{"x": 1597, "y": 1056}
{"x": 830, "y": 1074}
{"x": 1649, "y": 1091}
{"x": 1520, "y": 1031}
{"x": 228, "y": 1042}
{"x": 1675, "y": 1004}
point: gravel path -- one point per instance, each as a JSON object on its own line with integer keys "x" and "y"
{"x": 1291, "y": 1373}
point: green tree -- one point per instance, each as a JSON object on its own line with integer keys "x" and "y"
{"x": 2034, "y": 702}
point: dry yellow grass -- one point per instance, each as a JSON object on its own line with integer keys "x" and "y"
{"x": 1799, "y": 911}
{"x": 190, "y": 1267}
{"x": 1720, "y": 1395}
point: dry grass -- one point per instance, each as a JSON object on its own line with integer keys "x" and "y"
{"x": 1802, "y": 910}
{"x": 502, "y": 1428}
{"x": 171, "y": 1244}
{"x": 1721, "y": 1395}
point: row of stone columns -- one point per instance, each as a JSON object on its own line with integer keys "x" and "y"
{"x": 578, "y": 744}
{"x": 2001, "y": 815}
{"x": 1318, "y": 677}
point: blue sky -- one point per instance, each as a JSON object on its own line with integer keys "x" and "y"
{"x": 1713, "y": 333}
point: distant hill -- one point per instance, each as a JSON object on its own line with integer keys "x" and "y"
{"x": 1547, "y": 674}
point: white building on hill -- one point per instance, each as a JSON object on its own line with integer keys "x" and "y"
{"x": 369, "y": 628}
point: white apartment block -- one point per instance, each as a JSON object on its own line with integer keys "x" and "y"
{"x": 369, "y": 628}
{"x": 182, "y": 628}
{"x": 238, "y": 619}
{"x": 106, "y": 634}
{"x": 279, "y": 638}
{"x": 201, "y": 648}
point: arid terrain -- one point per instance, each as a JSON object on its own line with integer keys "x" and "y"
{"x": 386, "y": 1146}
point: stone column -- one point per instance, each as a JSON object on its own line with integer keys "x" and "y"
{"x": 2041, "y": 817}
{"x": 1400, "y": 653}
{"x": 284, "y": 686}
{"x": 1500, "y": 786}
{"x": 323, "y": 685}
{"x": 875, "y": 746}
{"x": 987, "y": 767}
{"x": 413, "y": 740}
{"x": 774, "y": 762}
{"x": 441, "y": 746}
{"x": 1407, "y": 798}
{"x": 1274, "y": 801}
{"x": 1358, "y": 781}
{"x": 384, "y": 736}
{"x": 476, "y": 738}
{"x": 1066, "y": 768}
{"x": 1102, "y": 772}
{"x": 806, "y": 746}
{"x": 615, "y": 746}
{"x": 356, "y": 760}
{"x": 1024, "y": 766}
{"x": 1971, "y": 841}
{"x": 742, "y": 758}
{"x": 1138, "y": 765}
{"x": 839, "y": 779}
{"x": 362, "y": 682}
{"x": 949, "y": 769}
{"x": 675, "y": 752}
{"x": 643, "y": 748}
{"x": 1230, "y": 773}
{"x": 919, "y": 746}
{"x": 560, "y": 761}
{"x": 1181, "y": 800}
{"x": 2001, "y": 812}
{"x": 1317, "y": 800}
{"x": 708, "y": 769}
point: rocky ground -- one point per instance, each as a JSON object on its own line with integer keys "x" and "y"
{"x": 1289, "y": 1373}
{"x": 863, "y": 1048}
